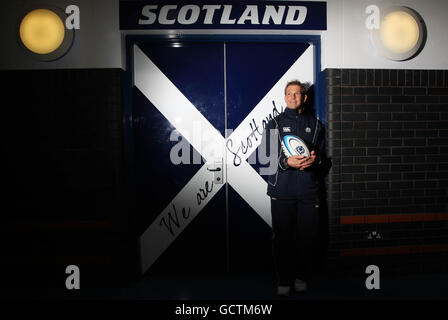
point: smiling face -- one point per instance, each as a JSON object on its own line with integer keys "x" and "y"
{"x": 293, "y": 97}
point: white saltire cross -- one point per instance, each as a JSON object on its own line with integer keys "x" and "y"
{"x": 182, "y": 114}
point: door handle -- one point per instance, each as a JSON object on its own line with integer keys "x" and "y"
{"x": 217, "y": 170}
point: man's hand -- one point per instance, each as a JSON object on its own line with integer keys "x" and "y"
{"x": 302, "y": 162}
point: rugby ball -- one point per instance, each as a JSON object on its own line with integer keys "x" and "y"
{"x": 293, "y": 145}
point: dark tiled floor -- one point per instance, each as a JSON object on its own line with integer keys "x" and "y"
{"x": 259, "y": 286}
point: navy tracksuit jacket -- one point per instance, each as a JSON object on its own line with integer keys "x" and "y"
{"x": 289, "y": 183}
{"x": 295, "y": 195}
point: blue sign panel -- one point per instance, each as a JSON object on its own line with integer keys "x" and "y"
{"x": 292, "y": 15}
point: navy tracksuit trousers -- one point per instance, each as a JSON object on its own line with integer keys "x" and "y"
{"x": 295, "y": 225}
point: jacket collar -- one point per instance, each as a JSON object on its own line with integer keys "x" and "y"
{"x": 291, "y": 113}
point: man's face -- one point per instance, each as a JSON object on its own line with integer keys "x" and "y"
{"x": 293, "y": 97}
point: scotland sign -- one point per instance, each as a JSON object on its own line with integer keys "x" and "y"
{"x": 293, "y": 15}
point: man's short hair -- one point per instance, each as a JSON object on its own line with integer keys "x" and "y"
{"x": 296, "y": 83}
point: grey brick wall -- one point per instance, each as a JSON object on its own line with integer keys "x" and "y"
{"x": 388, "y": 137}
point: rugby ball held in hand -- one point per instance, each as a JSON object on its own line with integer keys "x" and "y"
{"x": 293, "y": 145}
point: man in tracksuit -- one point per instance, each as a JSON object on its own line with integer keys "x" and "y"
{"x": 296, "y": 188}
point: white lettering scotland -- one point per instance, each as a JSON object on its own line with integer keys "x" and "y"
{"x": 252, "y": 15}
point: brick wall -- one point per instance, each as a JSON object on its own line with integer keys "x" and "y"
{"x": 62, "y": 175}
{"x": 388, "y": 137}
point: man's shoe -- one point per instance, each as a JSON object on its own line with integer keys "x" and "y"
{"x": 300, "y": 285}
{"x": 283, "y": 291}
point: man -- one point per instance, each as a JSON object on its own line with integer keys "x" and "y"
{"x": 295, "y": 189}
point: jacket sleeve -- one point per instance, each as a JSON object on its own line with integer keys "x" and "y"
{"x": 281, "y": 157}
{"x": 271, "y": 132}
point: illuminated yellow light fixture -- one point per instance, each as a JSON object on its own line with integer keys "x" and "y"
{"x": 42, "y": 31}
{"x": 399, "y": 31}
{"x": 43, "y": 34}
{"x": 402, "y": 34}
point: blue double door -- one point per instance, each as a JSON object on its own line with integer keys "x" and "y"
{"x": 200, "y": 201}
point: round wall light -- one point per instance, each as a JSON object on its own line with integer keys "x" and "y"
{"x": 401, "y": 35}
{"x": 43, "y": 34}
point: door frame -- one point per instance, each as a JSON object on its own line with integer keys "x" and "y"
{"x": 127, "y": 119}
